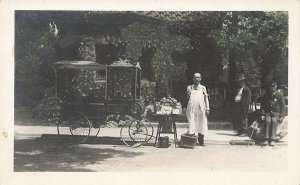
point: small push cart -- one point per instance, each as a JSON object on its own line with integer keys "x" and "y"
{"x": 166, "y": 112}
{"x": 166, "y": 125}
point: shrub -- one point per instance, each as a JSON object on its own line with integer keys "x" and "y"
{"x": 49, "y": 109}
{"x": 148, "y": 92}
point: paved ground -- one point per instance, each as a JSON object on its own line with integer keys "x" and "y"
{"x": 33, "y": 152}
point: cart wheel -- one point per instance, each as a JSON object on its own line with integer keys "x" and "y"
{"x": 134, "y": 133}
{"x": 150, "y": 129}
{"x": 76, "y": 129}
{"x": 63, "y": 128}
{"x": 80, "y": 128}
{"x": 138, "y": 131}
{"x": 95, "y": 129}
{"x": 124, "y": 134}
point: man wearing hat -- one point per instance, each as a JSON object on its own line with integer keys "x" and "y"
{"x": 273, "y": 112}
{"x": 242, "y": 101}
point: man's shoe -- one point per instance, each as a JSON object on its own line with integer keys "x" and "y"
{"x": 272, "y": 143}
{"x": 243, "y": 135}
{"x": 265, "y": 143}
{"x": 202, "y": 144}
{"x": 239, "y": 133}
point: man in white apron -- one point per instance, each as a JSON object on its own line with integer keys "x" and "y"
{"x": 197, "y": 109}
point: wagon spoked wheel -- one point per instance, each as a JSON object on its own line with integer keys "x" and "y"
{"x": 63, "y": 128}
{"x": 134, "y": 133}
{"x": 80, "y": 128}
{"x": 95, "y": 129}
{"x": 149, "y": 126}
{"x": 138, "y": 132}
{"x": 124, "y": 134}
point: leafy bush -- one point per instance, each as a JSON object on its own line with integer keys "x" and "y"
{"x": 49, "y": 109}
{"x": 87, "y": 48}
{"x": 34, "y": 46}
{"x": 148, "y": 92}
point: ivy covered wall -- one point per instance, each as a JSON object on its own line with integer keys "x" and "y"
{"x": 132, "y": 43}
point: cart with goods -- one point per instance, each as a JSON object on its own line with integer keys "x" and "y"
{"x": 95, "y": 95}
{"x": 165, "y": 111}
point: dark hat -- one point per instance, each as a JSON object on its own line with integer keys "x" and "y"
{"x": 273, "y": 84}
{"x": 240, "y": 77}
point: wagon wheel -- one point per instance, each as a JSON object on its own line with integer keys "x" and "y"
{"x": 138, "y": 132}
{"x": 63, "y": 128}
{"x": 124, "y": 134}
{"x": 78, "y": 126}
{"x": 134, "y": 133}
{"x": 150, "y": 129}
{"x": 95, "y": 129}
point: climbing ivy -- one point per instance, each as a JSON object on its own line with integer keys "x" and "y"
{"x": 148, "y": 92}
{"x": 87, "y": 48}
{"x": 138, "y": 36}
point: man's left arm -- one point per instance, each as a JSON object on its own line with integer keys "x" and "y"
{"x": 206, "y": 100}
{"x": 247, "y": 100}
{"x": 281, "y": 105}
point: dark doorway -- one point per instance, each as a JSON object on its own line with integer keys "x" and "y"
{"x": 106, "y": 54}
{"x": 146, "y": 64}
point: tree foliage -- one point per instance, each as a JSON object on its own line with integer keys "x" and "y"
{"x": 34, "y": 46}
{"x": 87, "y": 48}
{"x": 258, "y": 40}
{"x": 267, "y": 29}
{"x": 264, "y": 33}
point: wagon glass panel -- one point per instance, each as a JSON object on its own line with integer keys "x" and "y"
{"x": 120, "y": 83}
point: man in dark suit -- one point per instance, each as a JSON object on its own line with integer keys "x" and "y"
{"x": 242, "y": 101}
{"x": 273, "y": 112}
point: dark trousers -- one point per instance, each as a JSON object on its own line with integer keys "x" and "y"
{"x": 200, "y": 139}
{"x": 239, "y": 118}
{"x": 271, "y": 124}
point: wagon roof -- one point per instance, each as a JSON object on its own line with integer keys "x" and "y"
{"x": 79, "y": 65}
{"x": 123, "y": 63}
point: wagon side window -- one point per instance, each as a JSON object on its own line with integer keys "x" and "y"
{"x": 100, "y": 76}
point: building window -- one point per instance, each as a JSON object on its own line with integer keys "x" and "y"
{"x": 100, "y": 76}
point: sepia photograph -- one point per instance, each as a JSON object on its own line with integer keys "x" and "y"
{"x": 151, "y": 91}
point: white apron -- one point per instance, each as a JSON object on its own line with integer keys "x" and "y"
{"x": 196, "y": 112}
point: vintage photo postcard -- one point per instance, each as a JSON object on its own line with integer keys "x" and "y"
{"x": 170, "y": 92}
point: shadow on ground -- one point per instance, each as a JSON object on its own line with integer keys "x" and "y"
{"x": 49, "y": 155}
{"x": 227, "y": 134}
